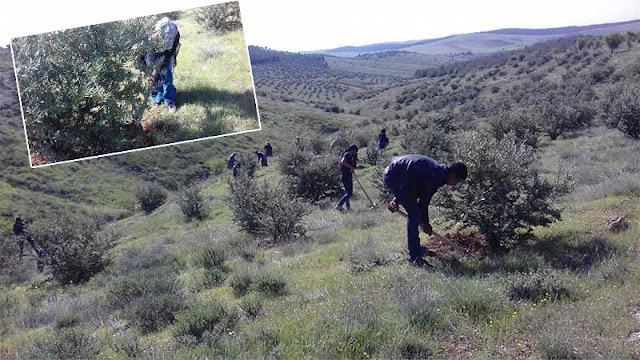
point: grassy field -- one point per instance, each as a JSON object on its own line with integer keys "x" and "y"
{"x": 204, "y": 289}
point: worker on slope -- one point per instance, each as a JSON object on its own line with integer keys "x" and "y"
{"x": 347, "y": 169}
{"x": 414, "y": 179}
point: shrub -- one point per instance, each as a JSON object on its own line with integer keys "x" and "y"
{"x": 517, "y": 120}
{"x": 427, "y": 138}
{"x": 265, "y": 210}
{"x": 210, "y": 258}
{"x": 220, "y": 17}
{"x": 503, "y": 192}
{"x": 620, "y": 109}
{"x": 269, "y": 285}
{"x": 556, "y": 114}
{"x": 556, "y": 347}
{"x": 317, "y": 145}
{"x": 152, "y": 312}
{"x": 317, "y": 181}
{"x": 372, "y": 154}
{"x": 69, "y": 343}
{"x": 536, "y": 287}
{"x": 252, "y": 305}
{"x": 213, "y": 317}
{"x": 151, "y": 197}
{"x": 79, "y": 89}
{"x": 123, "y": 291}
{"x": 241, "y": 284}
{"x": 75, "y": 250}
{"x": 192, "y": 203}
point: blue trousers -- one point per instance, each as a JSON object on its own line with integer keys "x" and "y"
{"x": 347, "y": 181}
{"x": 163, "y": 90}
{"x": 397, "y": 185}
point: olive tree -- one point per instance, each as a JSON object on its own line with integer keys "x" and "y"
{"x": 504, "y": 192}
{"x": 620, "y": 109}
{"x": 83, "y": 89}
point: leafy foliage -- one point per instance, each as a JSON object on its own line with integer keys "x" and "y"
{"x": 192, "y": 203}
{"x": 151, "y": 197}
{"x": 265, "y": 210}
{"x": 220, "y": 17}
{"x": 200, "y": 318}
{"x": 309, "y": 177}
{"x": 75, "y": 249}
{"x": 81, "y": 91}
{"x": 503, "y": 192}
{"x": 621, "y": 109}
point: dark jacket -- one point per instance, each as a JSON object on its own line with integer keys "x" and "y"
{"x": 420, "y": 177}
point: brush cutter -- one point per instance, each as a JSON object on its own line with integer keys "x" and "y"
{"x": 455, "y": 246}
{"x": 373, "y": 205}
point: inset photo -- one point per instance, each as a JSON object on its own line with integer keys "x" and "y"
{"x": 135, "y": 84}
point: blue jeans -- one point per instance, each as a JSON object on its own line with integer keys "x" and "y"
{"x": 404, "y": 197}
{"x": 163, "y": 90}
{"x": 347, "y": 181}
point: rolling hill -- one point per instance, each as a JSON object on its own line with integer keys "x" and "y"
{"x": 483, "y": 42}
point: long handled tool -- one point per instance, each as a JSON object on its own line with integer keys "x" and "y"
{"x": 373, "y": 205}
{"x": 455, "y": 246}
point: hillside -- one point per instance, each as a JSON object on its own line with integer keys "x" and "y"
{"x": 176, "y": 288}
{"x": 483, "y": 42}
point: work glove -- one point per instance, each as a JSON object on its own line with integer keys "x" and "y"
{"x": 393, "y": 206}
{"x": 427, "y": 228}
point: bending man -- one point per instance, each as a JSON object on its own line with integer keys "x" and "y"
{"x": 413, "y": 179}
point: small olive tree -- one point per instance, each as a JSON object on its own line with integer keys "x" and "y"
{"x": 220, "y": 17}
{"x": 309, "y": 177}
{"x": 75, "y": 249}
{"x": 84, "y": 89}
{"x": 265, "y": 210}
{"x": 504, "y": 192}
{"x": 620, "y": 109}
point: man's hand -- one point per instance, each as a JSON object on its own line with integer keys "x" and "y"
{"x": 393, "y": 206}
{"x": 152, "y": 80}
{"x": 427, "y": 228}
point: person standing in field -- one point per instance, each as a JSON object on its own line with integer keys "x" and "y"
{"x": 231, "y": 161}
{"x": 262, "y": 158}
{"x": 163, "y": 58}
{"x": 268, "y": 149}
{"x": 347, "y": 169}
{"x": 383, "y": 140}
{"x": 414, "y": 179}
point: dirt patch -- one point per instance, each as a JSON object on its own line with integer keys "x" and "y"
{"x": 473, "y": 243}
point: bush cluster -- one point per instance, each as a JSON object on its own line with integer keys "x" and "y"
{"x": 151, "y": 197}
{"x": 75, "y": 251}
{"x": 220, "y": 17}
{"x": 265, "y": 210}
{"x": 504, "y": 192}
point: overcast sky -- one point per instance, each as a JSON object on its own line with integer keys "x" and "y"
{"x": 299, "y": 25}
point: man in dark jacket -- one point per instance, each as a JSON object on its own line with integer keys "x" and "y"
{"x": 414, "y": 179}
{"x": 231, "y": 161}
{"x": 383, "y": 140}
{"x": 262, "y": 158}
{"x": 347, "y": 168}
{"x": 268, "y": 149}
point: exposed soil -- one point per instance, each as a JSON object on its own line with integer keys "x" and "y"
{"x": 474, "y": 243}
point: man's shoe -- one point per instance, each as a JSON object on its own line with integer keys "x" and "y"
{"x": 172, "y": 108}
{"x": 419, "y": 262}
{"x": 338, "y": 208}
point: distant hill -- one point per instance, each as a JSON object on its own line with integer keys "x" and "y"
{"x": 483, "y": 42}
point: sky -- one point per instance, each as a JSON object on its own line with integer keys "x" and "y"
{"x": 298, "y": 25}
